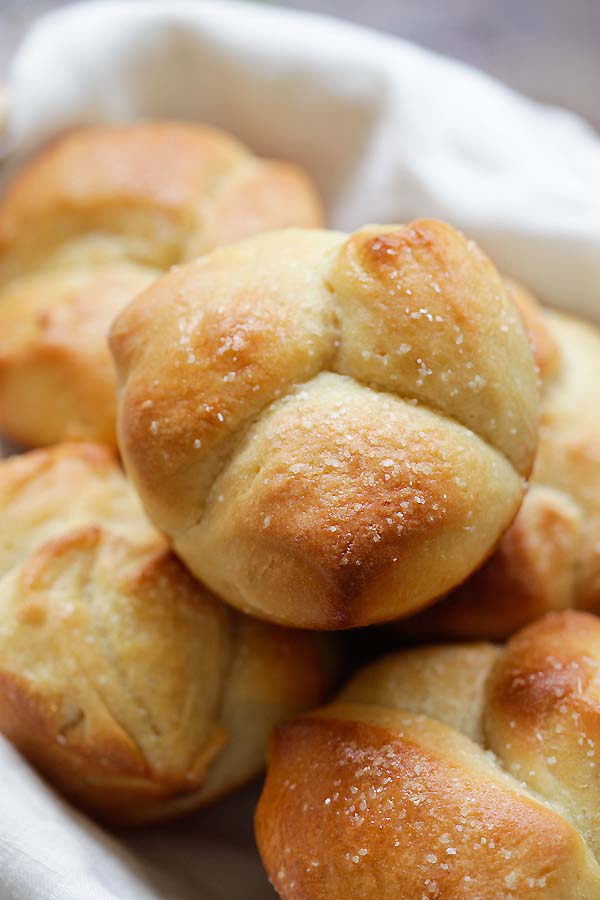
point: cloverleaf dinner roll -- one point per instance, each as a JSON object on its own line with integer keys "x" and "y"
{"x": 129, "y": 685}
{"x": 550, "y": 557}
{"x": 89, "y": 223}
{"x": 332, "y": 430}
{"x": 455, "y": 773}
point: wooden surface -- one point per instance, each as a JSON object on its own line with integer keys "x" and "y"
{"x": 549, "y": 49}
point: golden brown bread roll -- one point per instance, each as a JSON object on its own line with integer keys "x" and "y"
{"x": 411, "y": 786}
{"x": 550, "y": 557}
{"x": 333, "y": 430}
{"x": 125, "y": 681}
{"x": 88, "y": 224}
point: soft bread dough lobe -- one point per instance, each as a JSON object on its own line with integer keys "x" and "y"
{"x": 381, "y": 492}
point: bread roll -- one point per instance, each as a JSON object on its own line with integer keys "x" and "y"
{"x": 333, "y": 430}
{"x": 411, "y": 786}
{"x": 90, "y": 222}
{"x": 129, "y": 685}
{"x": 550, "y": 557}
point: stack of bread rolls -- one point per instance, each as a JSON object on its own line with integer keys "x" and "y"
{"x": 319, "y": 431}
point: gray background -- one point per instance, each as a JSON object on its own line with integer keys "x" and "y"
{"x": 549, "y": 49}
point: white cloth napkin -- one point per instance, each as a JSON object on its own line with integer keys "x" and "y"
{"x": 389, "y": 132}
